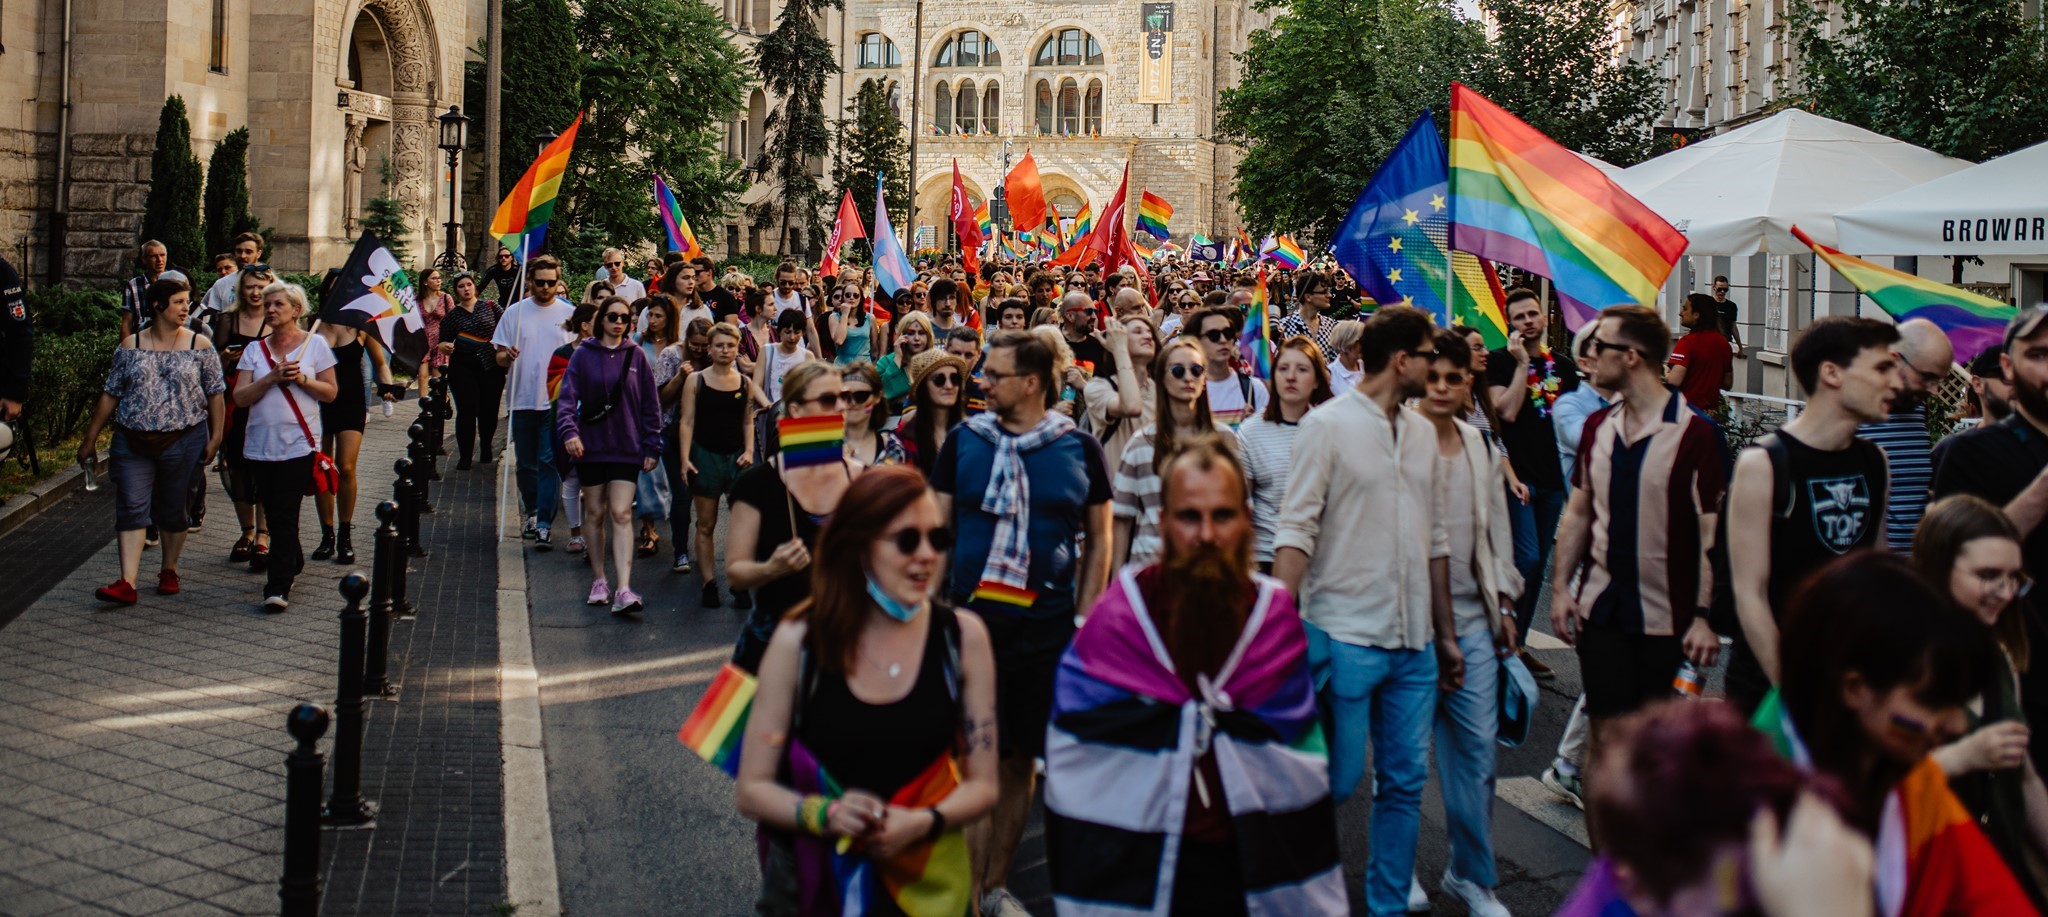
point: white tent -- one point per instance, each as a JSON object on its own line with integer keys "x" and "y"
{"x": 1740, "y": 193}
{"x": 1998, "y": 208}
{"x": 1606, "y": 168}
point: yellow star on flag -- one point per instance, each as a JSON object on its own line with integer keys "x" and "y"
{"x": 1394, "y": 275}
{"x": 1408, "y": 301}
{"x": 1394, "y": 243}
{"x": 1436, "y": 201}
{"x": 1409, "y": 217}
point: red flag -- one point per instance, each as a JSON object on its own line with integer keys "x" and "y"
{"x": 1102, "y": 239}
{"x": 1025, "y": 196}
{"x": 847, "y": 226}
{"x": 964, "y": 223}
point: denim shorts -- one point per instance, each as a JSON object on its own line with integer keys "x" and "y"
{"x": 153, "y": 491}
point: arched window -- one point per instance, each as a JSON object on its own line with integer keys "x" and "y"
{"x": 876, "y": 50}
{"x": 1043, "y": 122}
{"x": 967, "y": 108}
{"x": 942, "y": 109}
{"x": 1091, "y": 113}
{"x": 1070, "y": 108}
{"x": 968, "y": 49}
{"x": 1069, "y": 48}
{"x": 991, "y": 106}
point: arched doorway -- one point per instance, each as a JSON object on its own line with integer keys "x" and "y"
{"x": 388, "y": 67}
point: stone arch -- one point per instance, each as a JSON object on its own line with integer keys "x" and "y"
{"x": 413, "y": 53}
{"x": 934, "y": 201}
{"x": 1027, "y": 55}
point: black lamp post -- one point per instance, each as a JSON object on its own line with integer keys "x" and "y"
{"x": 452, "y": 124}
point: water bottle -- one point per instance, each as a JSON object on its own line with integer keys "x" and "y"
{"x": 1688, "y": 684}
{"x": 88, "y": 465}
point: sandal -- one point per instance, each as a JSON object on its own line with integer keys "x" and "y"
{"x": 259, "y": 554}
{"x": 649, "y": 545}
{"x": 240, "y": 553}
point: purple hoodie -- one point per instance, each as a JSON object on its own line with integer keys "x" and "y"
{"x": 632, "y": 431}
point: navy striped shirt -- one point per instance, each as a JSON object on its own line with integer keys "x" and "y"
{"x": 1903, "y": 437}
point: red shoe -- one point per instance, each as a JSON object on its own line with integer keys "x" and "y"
{"x": 166, "y": 582}
{"x": 119, "y": 592}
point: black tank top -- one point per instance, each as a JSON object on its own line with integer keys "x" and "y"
{"x": 721, "y": 418}
{"x": 881, "y": 747}
{"x": 348, "y": 373}
{"x": 1828, "y": 504}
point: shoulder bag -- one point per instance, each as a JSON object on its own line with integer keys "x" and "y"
{"x": 326, "y": 477}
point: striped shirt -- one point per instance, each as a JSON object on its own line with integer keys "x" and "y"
{"x": 1903, "y": 437}
{"x": 1654, "y": 501}
{"x": 1266, "y": 448}
{"x": 1137, "y": 492}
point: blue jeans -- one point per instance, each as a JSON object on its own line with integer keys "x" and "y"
{"x": 1535, "y": 526}
{"x": 1388, "y": 697}
{"x": 1467, "y": 721}
{"x": 155, "y": 491}
{"x": 540, "y": 483}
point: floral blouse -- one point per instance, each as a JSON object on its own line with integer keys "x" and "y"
{"x": 161, "y": 391}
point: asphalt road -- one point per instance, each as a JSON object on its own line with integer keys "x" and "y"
{"x": 642, "y": 826}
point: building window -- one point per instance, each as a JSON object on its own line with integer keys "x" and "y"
{"x": 1043, "y": 122}
{"x": 1091, "y": 117}
{"x": 1069, "y": 48}
{"x": 764, "y": 16}
{"x": 942, "y": 110}
{"x": 1070, "y": 109}
{"x": 968, "y": 49}
{"x": 217, "y": 52}
{"x": 876, "y": 50}
{"x": 967, "y": 108}
{"x": 991, "y": 104}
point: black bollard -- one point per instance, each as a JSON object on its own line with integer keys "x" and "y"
{"x": 377, "y": 654}
{"x": 422, "y": 465}
{"x": 347, "y": 808}
{"x": 299, "y": 890}
{"x": 402, "y": 523}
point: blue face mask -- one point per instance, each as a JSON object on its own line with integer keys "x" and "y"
{"x": 890, "y": 606}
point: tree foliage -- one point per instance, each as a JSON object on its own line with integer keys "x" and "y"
{"x": 541, "y": 83}
{"x": 871, "y": 142}
{"x": 385, "y": 215}
{"x": 795, "y": 60}
{"x": 170, "y": 214}
{"x": 227, "y": 193}
{"x": 1966, "y": 78}
{"x": 1556, "y": 66}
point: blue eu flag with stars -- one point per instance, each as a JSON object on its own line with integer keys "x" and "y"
{"x": 1393, "y": 241}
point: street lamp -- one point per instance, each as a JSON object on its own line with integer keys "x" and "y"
{"x": 452, "y": 128}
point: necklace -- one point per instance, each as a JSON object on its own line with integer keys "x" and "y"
{"x": 893, "y": 669}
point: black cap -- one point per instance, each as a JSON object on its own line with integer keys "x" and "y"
{"x": 2024, "y": 325}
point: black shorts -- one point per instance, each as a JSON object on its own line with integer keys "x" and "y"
{"x": 1027, "y": 653}
{"x": 597, "y": 474}
{"x": 1624, "y": 672}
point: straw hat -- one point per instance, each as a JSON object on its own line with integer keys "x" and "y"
{"x": 925, "y": 363}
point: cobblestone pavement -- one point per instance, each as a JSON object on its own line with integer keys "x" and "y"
{"x": 142, "y": 748}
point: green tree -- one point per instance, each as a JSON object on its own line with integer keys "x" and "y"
{"x": 655, "y": 107}
{"x": 543, "y": 73}
{"x": 1326, "y": 92}
{"x": 1556, "y": 66}
{"x": 170, "y": 214}
{"x": 227, "y": 193}
{"x": 795, "y": 61}
{"x": 1966, "y": 78}
{"x": 385, "y": 216}
{"x": 871, "y": 142}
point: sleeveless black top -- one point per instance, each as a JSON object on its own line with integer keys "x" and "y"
{"x": 721, "y": 418}
{"x": 882, "y": 747}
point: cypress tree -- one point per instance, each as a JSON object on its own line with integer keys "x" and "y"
{"x": 795, "y": 61}
{"x": 227, "y": 193}
{"x": 385, "y": 216}
{"x": 171, "y": 212}
{"x": 872, "y": 141}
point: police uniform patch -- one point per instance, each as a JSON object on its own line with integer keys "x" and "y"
{"x": 18, "y": 312}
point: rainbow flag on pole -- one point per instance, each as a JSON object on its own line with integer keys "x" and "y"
{"x": 1256, "y": 341}
{"x": 811, "y": 440}
{"x": 1517, "y": 197}
{"x": 1287, "y": 252}
{"x": 1973, "y": 323}
{"x": 1084, "y": 222}
{"x": 521, "y": 223}
{"x": 1153, "y": 214}
{"x": 673, "y": 224}
{"x": 715, "y": 729}
{"x": 981, "y": 218}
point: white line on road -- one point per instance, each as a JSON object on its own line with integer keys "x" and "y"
{"x": 531, "y": 881}
{"x": 1529, "y": 795}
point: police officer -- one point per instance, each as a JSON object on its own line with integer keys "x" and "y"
{"x": 17, "y": 343}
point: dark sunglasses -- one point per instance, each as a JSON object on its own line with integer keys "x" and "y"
{"x": 544, "y": 283}
{"x": 949, "y": 380}
{"x": 857, "y": 397}
{"x": 1451, "y": 378}
{"x": 258, "y": 268}
{"x": 1600, "y": 346}
{"x": 906, "y": 540}
{"x": 824, "y": 401}
{"x": 1184, "y": 370}
{"x": 1217, "y": 336}
{"x": 615, "y": 264}
{"x": 619, "y": 317}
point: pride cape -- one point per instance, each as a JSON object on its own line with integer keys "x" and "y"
{"x": 1973, "y": 323}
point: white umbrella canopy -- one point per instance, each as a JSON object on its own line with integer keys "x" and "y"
{"x": 1740, "y": 193}
{"x": 1998, "y": 208}
{"x": 1606, "y": 168}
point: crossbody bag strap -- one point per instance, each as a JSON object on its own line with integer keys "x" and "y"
{"x": 288, "y": 399}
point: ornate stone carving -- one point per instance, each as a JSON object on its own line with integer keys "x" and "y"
{"x": 352, "y": 173}
{"x": 410, "y": 157}
{"x": 367, "y": 105}
{"x": 404, "y": 24}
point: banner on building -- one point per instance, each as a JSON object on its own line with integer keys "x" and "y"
{"x": 1155, "y": 69}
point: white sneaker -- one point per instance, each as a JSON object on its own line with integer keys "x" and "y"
{"x": 1418, "y": 898}
{"x": 1000, "y": 903}
{"x": 1479, "y": 901}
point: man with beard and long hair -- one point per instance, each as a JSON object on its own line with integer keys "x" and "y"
{"x": 1190, "y": 682}
{"x": 2007, "y": 463}
{"x": 1925, "y": 358}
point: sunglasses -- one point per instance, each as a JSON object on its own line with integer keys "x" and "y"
{"x": 1453, "y": 379}
{"x": 1219, "y": 336}
{"x": 618, "y": 317}
{"x": 258, "y": 268}
{"x": 907, "y": 540}
{"x": 544, "y": 283}
{"x": 1600, "y": 346}
{"x": 1184, "y": 370}
{"x": 856, "y": 397}
{"x": 948, "y": 380}
{"x": 824, "y": 401}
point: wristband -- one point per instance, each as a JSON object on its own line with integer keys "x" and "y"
{"x": 938, "y": 825}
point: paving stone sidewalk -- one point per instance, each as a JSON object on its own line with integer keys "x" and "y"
{"x": 142, "y": 749}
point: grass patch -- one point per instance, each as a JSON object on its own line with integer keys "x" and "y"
{"x": 15, "y": 477}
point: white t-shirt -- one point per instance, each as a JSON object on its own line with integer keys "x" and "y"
{"x": 632, "y": 290}
{"x": 273, "y": 432}
{"x": 688, "y": 314}
{"x": 779, "y": 365}
{"x": 1226, "y": 399}
{"x": 221, "y": 296}
{"x": 536, "y": 330}
{"x": 795, "y": 301}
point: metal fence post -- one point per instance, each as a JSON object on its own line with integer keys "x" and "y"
{"x": 299, "y": 890}
{"x": 347, "y": 807}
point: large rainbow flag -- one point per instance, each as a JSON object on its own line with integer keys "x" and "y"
{"x": 1973, "y": 323}
{"x": 1256, "y": 341}
{"x": 715, "y": 729}
{"x": 1517, "y": 197}
{"x": 1153, "y": 214}
{"x": 674, "y": 225}
{"x": 521, "y": 223}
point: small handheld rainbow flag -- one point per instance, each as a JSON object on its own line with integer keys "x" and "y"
{"x": 1256, "y": 342}
{"x": 1285, "y": 251}
{"x": 1015, "y": 596}
{"x": 981, "y": 218}
{"x": 1973, "y": 323}
{"x": 715, "y": 729}
{"x": 1153, "y": 214}
{"x": 809, "y": 441}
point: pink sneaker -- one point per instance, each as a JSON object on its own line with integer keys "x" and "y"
{"x": 600, "y": 593}
{"x": 628, "y": 603}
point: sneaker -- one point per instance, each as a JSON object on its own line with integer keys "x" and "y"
{"x": 576, "y": 544}
{"x": 600, "y": 593}
{"x": 1536, "y": 667}
{"x": 682, "y": 564}
{"x": 710, "y": 600}
{"x": 151, "y": 537}
{"x": 1418, "y": 897}
{"x": 543, "y": 540}
{"x": 1571, "y": 787}
{"x": 276, "y": 603}
{"x": 628, "y": 603}
{"x": 998, "y": 902}
{"x": 119, "y": 592}
{"x": 166, "y": 582}
{"x": 530, "y": 529}
{"x": 742, "y": 600}
{"x": 1479, "y": 902}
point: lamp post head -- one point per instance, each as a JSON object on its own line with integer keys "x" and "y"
{"x": 453, "y": 123}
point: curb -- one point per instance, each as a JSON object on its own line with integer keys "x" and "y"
{"x": 24, "y": 506}
{"x": 531, "y": 883}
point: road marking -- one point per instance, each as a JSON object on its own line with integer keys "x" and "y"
{"x": 1529, "y": 795}
{"x": 532, "y": 884}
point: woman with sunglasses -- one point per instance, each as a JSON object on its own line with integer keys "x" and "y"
{"x": 776, "y": 513}
{"x": 851, "y": 327}
{"x": 938, "y": 403}
{"x": 1967, "y": 548}
{"x": 913, "y": 336}
{"x": 1180, "y": 416}
{"x": 715, "y": 436}
{"x": 1313, "y": 290}
{"x": 609, "y": 419}
{"x": 871, "y": 741}
{"x": 865, "y": 441}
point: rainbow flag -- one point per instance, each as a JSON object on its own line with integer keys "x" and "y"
{"x": 1153, "y": 214}
{"x": 673, "y": 223}
{"x": 1517, "y": 197}
{"x": 1084, "y": 222}
{"x": 811, "y": 440}
{"x": 981, "y": 218}
{"x": 1256, "y": 341}
{"x": 924, "y": 880}
{"x": 1014, "y": 596}
{"x": 1973, "y": 323}
{"x": 521, "y": 223}
{"x": 715, "y": 729}
{"x": 1287, "y": 253}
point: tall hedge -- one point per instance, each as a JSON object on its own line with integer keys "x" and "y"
{"x": 171, "y": 212}
{"x": 227, "y": 192}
